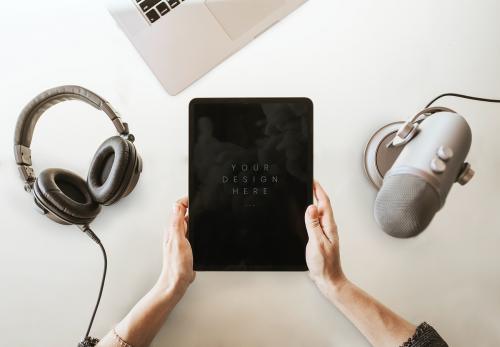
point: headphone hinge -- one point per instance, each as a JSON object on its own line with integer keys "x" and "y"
{"x": 120, "y": 126}
{"x": 23, "y": 155}
{"x": 28, "y": 175}
{"x": 23, "y": 160}
{"x": 126, "y": 134}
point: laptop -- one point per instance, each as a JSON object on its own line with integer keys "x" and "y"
{"x": 181, "y": 40}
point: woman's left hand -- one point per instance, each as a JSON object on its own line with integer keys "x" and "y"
{"x": 177, "y": 273}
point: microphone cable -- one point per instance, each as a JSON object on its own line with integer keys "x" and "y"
{"x": 463, "y": 96}
{"x": 87, "y": 340}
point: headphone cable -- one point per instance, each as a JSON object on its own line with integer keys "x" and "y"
{"x": 88, "y": 341}
{"x": 463, "y": 96}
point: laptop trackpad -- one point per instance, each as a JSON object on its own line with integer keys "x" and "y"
{"x": 239, "y": 16}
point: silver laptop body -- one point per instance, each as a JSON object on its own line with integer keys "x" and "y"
{"x": 181, "y": 40}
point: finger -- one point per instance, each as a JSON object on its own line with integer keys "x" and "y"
{"x": 178, "y": 222}
{"x": 313, "y": 225}
{"x": 326, "y": 217}
{"x": 184, "y": 202}
{"x": 322, "y": 197}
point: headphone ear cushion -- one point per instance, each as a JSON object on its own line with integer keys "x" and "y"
{"x": 111, "y": 170}
{"x": 66, "y": 195}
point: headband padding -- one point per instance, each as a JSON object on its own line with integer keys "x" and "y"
{"x": 43, "y": 101}
{"x": 66, "y": 195}
{"x": 110, "y": 170}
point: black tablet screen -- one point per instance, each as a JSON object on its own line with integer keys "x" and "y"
{"x": 250, "y": 182}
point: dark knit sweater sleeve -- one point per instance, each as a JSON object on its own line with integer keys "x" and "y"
{"x": 425, "y": 336}
{"x": 88, "y": 342}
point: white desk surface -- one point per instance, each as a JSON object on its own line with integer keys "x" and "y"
{"x": 363, "y": 63}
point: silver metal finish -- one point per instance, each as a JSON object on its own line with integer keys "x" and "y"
{"x": 409, "y": 129}
{"x": 416, "y": 186}
{"x": 197, "y": 35}
{"x": 405, "y": 134}
{"x": 442, "y": 129}
{"x": 379, "y": 155}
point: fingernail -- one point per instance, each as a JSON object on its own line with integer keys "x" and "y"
{"x": 175, "y": 208}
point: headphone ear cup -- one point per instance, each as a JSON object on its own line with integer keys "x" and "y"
{"x": 134, "y": 175}
{"x": 66, "y": 196}
{"x": 112, "y": 173}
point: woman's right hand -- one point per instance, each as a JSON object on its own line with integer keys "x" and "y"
{"x": 381, "y": 326}
{"x": 322, "y": 251}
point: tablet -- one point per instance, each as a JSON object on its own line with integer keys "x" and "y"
{"x": 250, "y": 182}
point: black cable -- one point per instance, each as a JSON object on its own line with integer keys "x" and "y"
{"x": 463, "y": 97}
{"x": 94, "y": 237}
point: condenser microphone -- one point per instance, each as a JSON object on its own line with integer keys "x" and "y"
{"x": 414, "y": 165}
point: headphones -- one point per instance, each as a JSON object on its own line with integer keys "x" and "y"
{"x": 62, "y": 195}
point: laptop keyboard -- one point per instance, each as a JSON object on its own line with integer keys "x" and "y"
{"x": 155, "y": 9}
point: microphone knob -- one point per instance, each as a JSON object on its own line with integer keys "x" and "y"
{"x": 445, "y": 153}
{"x": 466, "y": 175}
{"x": 438, "y": 166}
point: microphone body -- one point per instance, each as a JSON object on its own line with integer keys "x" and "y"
{"x": 416, "y": 186}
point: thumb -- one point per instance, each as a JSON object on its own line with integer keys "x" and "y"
{"x": 313, "y": 225}
{"x": 178, "y": 222}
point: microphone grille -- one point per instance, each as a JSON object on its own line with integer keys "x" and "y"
{"x": 405, "y": 205}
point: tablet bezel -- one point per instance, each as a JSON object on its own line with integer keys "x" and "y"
{"x": 301, "y": 100}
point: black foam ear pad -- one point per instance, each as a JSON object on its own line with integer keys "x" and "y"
{"x": 112, "y": 170}
{"x": 66, "y": 195}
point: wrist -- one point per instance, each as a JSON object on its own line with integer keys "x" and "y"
{"x": 336, "y": 287}
{"x": 168, "y": 289}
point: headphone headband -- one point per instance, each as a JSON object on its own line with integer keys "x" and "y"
{"x": 33, "y": 111}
